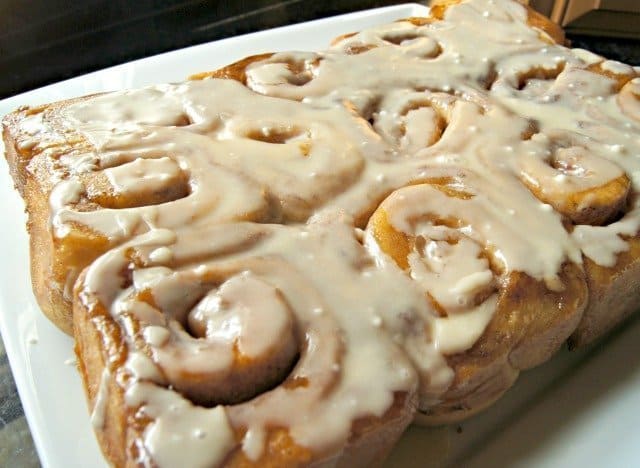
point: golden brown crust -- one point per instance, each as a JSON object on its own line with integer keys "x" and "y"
{"x": 93, "y": 358}
{"x": 542, "y": 23}
{"x": 235, "y": 71}
{"x": 52, "y": 261}
{"x": 530, "y": 324}
{"x": 595, "y": 206}
{"x": 613, "y": 294}
{"x": 439, "y": 7}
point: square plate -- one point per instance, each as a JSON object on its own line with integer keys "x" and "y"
{"x": 581, "y": 408}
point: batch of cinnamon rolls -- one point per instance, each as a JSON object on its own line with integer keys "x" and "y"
{"x": 287, "y": 261}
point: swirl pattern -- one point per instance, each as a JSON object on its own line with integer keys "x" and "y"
{"x": 241, "y": 335}
{"x": 447, "y": 238}
{"x": 585, "y": 188}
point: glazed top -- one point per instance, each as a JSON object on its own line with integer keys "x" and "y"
{"x": 527, "y": 133}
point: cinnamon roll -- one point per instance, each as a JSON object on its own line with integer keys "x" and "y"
{"x": 582, "y": 166}
{"x": 496, "y": 314}
{"x": 225, "y": 345}
{"x": 611, "y": 248}
{"x": 574, "y": 180}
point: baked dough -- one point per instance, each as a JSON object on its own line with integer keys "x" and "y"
{"x": 230, "y": 346}
{"x": 386, "y": 230}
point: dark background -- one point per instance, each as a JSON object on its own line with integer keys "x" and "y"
{"x": 44, "y": 41}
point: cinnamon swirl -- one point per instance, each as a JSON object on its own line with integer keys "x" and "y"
{"x": 225, "y": 345}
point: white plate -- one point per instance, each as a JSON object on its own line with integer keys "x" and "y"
{"x": 580, "y": 409}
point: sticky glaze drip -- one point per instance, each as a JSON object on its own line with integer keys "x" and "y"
{"x": 98, "y": 413}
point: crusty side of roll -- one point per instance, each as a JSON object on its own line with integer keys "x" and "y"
{"x": 613, "y": 295}
{"x": 54, "y": 265}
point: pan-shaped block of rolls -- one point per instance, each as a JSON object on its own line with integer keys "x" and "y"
{"x": 287, "y": 260}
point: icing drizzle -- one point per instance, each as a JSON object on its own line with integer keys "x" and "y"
{"x": 526, "y": 130}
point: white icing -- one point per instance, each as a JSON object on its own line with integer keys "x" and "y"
{"x": 101, "y": 400}
{"x": 182, "y": 434}
{"x": 479, "y": 157}
{"x": 253, "y": 443}
{"x": 156, "y": 336}
{"x": 65, "y": 193}
{"x": 161, "y": 255}
{"x": 142, "y": 367}
{"x": 259, "y": 301}
{"x": 141, "y": 175}
{"x": 586, "y": 56}
{"x": 457, "y": 333}
{"x": 617, "y": 67}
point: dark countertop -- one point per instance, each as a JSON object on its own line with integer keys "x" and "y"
{"x": 16, "y": 446}
{"x": 621, "y": 49}
{"x": 45, "y": 41}
{"x": 49, "y": 41}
